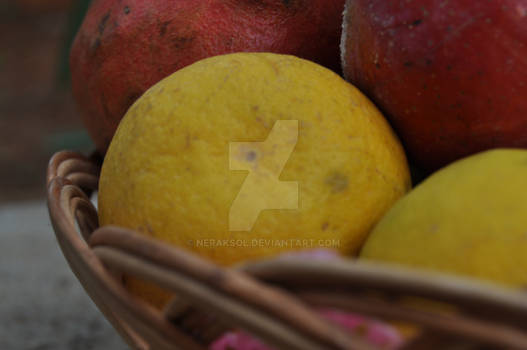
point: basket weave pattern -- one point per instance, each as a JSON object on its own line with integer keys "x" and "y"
{"x": 275, "y": 299}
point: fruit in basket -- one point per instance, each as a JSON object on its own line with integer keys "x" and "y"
{"x": 247, "y": 155}
{"x": 450, "y": 76}
{"x": 376, "y": 333}
{"x": 467, "y": 219}
{"x": 123, "y": 48}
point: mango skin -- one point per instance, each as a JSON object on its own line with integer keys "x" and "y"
{"x": 450, "y": 75}
{"x": 124, "y": 48}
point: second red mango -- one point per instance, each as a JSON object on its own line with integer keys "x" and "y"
{"x": 450, "y": 75}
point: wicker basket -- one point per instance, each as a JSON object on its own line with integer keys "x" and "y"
{"x": 274, "y": 299}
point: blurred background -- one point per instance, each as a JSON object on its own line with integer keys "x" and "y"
{"x": 37, "y": 112}
{"x": 42, "y": 305}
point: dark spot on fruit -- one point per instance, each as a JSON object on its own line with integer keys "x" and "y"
{"x": 181, "y": 42}
{"x": 126, "y": 10}
{"x": 286, "y": 2}
{"x": 102, "y": 23}
{"x": 251, "y": 156}
{"x": 325, "y": 226}
{"x": 408, "y": 64}
{"x": 428, "y": 61}
{"x": 417, "y": 22}
{"x": 229, "y": 42}
{"x": 163, "y": 28}
{"x": 377, "y": 65}
{"x": 338, "y": 182}
{"x": 449, "y": 67}
{"x": 95, "y": 45}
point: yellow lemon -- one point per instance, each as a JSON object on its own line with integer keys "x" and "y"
{"x": 243, "y": 156}
{"x": 468, "y": 219}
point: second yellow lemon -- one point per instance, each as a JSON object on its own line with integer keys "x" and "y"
{"x": 469, "y": 218}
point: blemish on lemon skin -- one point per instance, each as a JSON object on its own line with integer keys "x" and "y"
{"x": 324, "y": 226}
{"x": 305, "y": 124}
{"x": 251, "y": 155}
{"x": 262, "y": 122}
{"x": 338, "y": 182}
